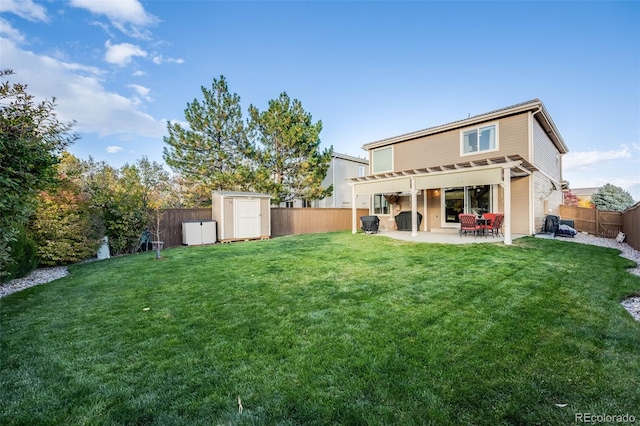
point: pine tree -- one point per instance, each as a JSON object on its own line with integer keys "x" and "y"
{"x": 612, "y": 198}
{"x": 289, "y": 162}
{"x": 214, "y": 149}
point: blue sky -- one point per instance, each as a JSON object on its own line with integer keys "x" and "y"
{"x": 368, "y": 70}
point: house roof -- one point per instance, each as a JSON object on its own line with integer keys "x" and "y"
{"x": 535, "y": 105}
{"x": 350, "y": 158}
{"x": 584, "y": 191}
{"x": 518, "y": 165}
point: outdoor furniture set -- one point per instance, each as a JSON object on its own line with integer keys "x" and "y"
{"x": 488, "y": 223}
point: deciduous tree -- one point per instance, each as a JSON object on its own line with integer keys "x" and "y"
{"x": 31, "y": 139}
{"x": 64, "y": 226}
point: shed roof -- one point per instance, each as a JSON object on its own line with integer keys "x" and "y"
{"x": 242, "y": 194}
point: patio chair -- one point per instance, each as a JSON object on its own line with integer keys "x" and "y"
{"x": 486, "y": 222}
{"x": 468, "y": 223}
{"x": 496, "y": 225}
{"x": 145, "y": 241}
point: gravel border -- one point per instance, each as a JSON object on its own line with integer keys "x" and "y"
{"x": 632, "y": 304}
{"x": 37, "y": 277}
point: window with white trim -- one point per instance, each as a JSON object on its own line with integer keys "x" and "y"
{"x": 380, "y": 204}
{"x": 480, "y": 139}
{"x": 382, "y": 160}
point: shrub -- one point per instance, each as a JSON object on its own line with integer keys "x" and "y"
{"x": 23, "y": 254}
{"x": 64, "y": 228}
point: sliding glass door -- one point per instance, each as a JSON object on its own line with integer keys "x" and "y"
{"x": 453, "y": 204}
{"x": 468, "y": 199}
{"x": 478, "y": 199}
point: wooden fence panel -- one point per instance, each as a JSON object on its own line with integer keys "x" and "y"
{"x": 609, "y": 224}
{"x": 171, "y": 224}
{"x": 284, "y": 221}
{"x": 584, "y": 219}
{"x": 291, "y": 221}
{"x": 593, "y": 221}
{"x": 631, "y": 225}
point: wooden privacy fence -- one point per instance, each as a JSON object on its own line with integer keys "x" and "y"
{"x": 284, "y": 221}
{"x": 292, "y": 221}
{"x": 631, "y": 225}
{"x": 171, "y": 225}
{"x": 596, "y": 222}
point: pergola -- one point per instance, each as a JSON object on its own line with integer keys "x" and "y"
{"x": 491, "y": 171}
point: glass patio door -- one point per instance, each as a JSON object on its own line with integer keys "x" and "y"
{"x": 468, "y": 199}
{"x": 453, "y": 204}
{"x": 478, "y": 199}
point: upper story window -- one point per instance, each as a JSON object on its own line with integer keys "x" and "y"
{"x": 360, "y": 171}
{"x": 382, "y": 160}
{"x": 480, "y": 139}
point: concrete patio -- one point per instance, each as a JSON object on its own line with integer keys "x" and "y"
{"x": 443, "y": 236}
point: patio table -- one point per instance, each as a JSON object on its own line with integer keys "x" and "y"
{"x": 483, "y": 222}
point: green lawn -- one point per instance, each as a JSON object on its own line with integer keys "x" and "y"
{"x": 326, "y": 329}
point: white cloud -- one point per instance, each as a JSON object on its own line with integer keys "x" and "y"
{"x": 121, "y": 54}
{"x": 113, "y": 149}
{"x": 26, "y": 9}
{"x": 7, "y": 30}
{"x": 138, "y": 73}
{"x": 80, "y": 95}
{"x": 142, "y": 91}
{"x": 120, "y": 12}
{"x": 159, "y": 59}
{"x": 585, "y": 160}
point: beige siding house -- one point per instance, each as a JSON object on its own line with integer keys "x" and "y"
{"x": 507, "y": 161}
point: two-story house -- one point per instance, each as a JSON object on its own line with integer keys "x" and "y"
{"x": 341, "y": 168}
{"x": 507, "y": 161}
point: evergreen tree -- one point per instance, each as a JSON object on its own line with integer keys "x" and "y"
{"x": 289, "y": 162}
{"x": 214, "y": 149}
{"x": 612, "y": 198}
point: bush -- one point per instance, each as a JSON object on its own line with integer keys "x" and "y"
{"x": 24, "y": 257}
{"x": 64, "y": 228}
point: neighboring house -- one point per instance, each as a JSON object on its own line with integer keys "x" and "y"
{"x": 342, "y": 168}
{"x": 584, "y": 194}
{"x": 508, "y": 160}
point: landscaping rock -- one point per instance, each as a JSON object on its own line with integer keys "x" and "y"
{"x": 38, "y": 276}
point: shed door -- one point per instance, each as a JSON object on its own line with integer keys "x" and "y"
{"x": 247, "y": 222}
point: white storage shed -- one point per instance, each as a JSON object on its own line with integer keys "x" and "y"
{"x": 241, "y": 215}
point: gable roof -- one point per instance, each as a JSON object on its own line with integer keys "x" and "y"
{"x": 534, "y": 105}
{"x": 350, "y": 158}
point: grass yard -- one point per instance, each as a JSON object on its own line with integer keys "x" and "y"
{"x": 326, "y": 329}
